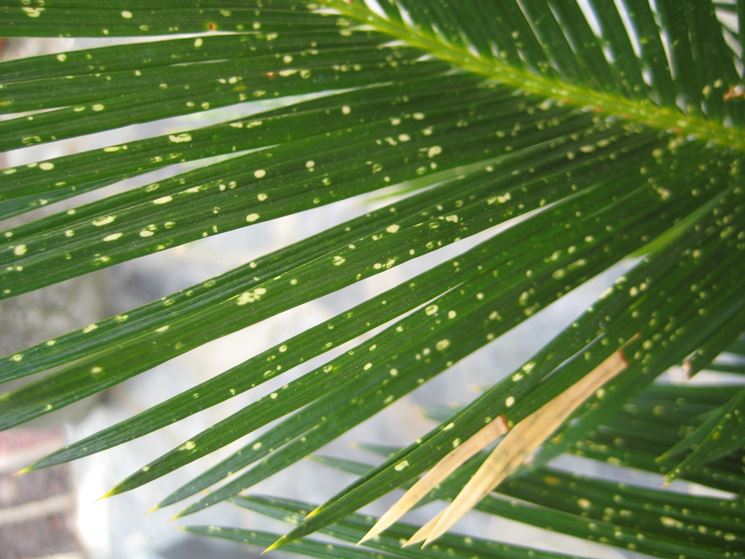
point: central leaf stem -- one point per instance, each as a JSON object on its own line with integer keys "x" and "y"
{"x": 638, "y": 111}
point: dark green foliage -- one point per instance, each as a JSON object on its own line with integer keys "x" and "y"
{"x": 603, "y": 138}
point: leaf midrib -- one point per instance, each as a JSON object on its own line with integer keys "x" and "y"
{"x": 637, "y": 111}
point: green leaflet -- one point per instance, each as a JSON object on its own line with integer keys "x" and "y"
{"x": 306, "y": 548}
{"x": 170, "y": 52}
{"x": 89, "y": 87}
{"x": 139, "y": 17}
{"x": 149, "y": 104}
{"x": 353, "y": 527}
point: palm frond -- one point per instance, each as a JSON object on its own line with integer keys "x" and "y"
{"x": 591, "y": 132}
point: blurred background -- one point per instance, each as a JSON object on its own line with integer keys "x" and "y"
{"x": 55, "y": 514}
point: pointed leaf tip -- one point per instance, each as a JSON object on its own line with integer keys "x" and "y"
{"x": 422, "y": 534}
{"x": 110, "y": 493}
{"x": 276, "y": 545}
{"x": 23, "y": 471}
{"x": 669, "y": 478}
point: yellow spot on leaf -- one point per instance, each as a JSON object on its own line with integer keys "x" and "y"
{"x": 98, "y": 222}
{"x": 33, "y": 12}
{"x": 250, "y": 296}
{"x": 180, "y": 138}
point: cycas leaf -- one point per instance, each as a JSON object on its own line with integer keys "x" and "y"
{"x": 594, "y": 131}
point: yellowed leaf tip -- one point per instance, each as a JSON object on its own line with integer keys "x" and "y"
{"x": 153, "y": 509}
{"x": 23, "y": 471}
{"x": 176, "y": 516}
{"x": 109, "y": 493}
{"x": 276, "y": 545}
